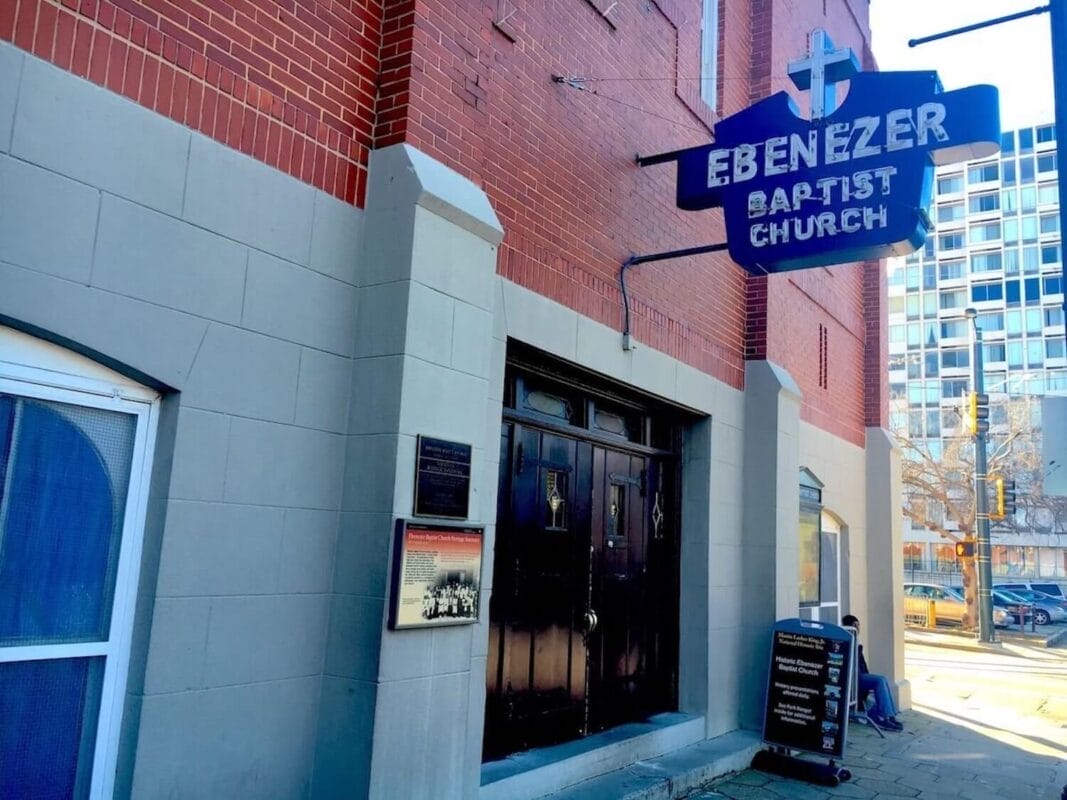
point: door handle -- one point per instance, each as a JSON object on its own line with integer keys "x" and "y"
{"x": 590, "y": 620}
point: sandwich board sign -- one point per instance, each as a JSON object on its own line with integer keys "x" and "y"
{"x": 808, "y": 686}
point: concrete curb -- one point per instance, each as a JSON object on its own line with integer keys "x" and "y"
{"x": 673, "y": 774}
{"x": 965, "y": 640}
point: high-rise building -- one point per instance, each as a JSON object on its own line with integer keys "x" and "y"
{"x": 996, "y": 247}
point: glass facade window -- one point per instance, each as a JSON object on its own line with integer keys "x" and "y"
{"x": 954, "y": 329}
{"x": 1013, "y": 352}
{"x": 1011, "y": 293}
{"x": 1045, "y": 133}
{"x": 949, "y": 270}
{"x": 983, "y": 173}
{"x": 1011, "y": 231}
{"x": 1007, "y": 142}
{"x": 1013, "y": 323}
{"x": 1054, "y": 347}
{"x": 1026, "y": 170}
{"x": 956, "y": 358}
{"x": 1054, "y": 316}
{"x": 1048, "y": 194}
{"x": 993, "y": 321}
{"x": 929, "y": 276}
{"x": 1029, "y": 229}
{"x": 983, "y": 292}
{"x": 930, "y": 304}
{"x": 1030, "y": 263}
{"x": 950, "y": 212}
{"x": 1009, "y": 201}
{"x": 913, "y": 306}
{"x": 956, "y": 387}
{"x": 1008, "y": 174}
{"x": 915, "y": 333}
{"x": 993, "y": 352}
{"x": 1046, "y": 162}
{"x": 988, "y": 261}
{"x": 983, "y": 203}
{"x": 911, "y": 277}
{"x": 956, "y": 298}
{"x": 1011, "y": 261}
{"x": 1035, "y": 353}
{"x": 1034, "y": 321}
{"x": 950, "y": 184}
{"x": 1026, "y": 140}
{"x": 1049, "y": 223}
{"x": 988, "y": 232}
{"x": 896, "y": 334}
{"x": 1053, "y": 284}
{"x": 1028, "y": 199}
{"x": 896, "y": 305}
{"x": 1050, "y": 254}
{"x": 930, "y": 364}
{"x": 950, "y": 241}
{"x": 1032, "y": 290}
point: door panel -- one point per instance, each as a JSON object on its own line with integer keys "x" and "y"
{"x": 536, "y": 679}
{"x": 583, "y": 616}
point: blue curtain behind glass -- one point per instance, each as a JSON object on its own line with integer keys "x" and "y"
{"x": 57, "y": 536}
{"x": 55, "y": 549}
{"x": 49, "y": 713}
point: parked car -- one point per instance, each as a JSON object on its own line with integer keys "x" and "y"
{"x": 949, "y": 604}
{"x": 1002, "y": 618}
{"x": 1046, "y": 609}
{"x": 1018, "y": 607}
{"x": 1051, "y": 589}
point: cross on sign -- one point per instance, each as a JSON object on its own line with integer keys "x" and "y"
{"x": 820, "y": 70}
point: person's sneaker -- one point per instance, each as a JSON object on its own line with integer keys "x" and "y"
{"x": 891, "y": 724}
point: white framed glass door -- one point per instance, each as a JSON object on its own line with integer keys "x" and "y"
{"x": 75, "y": 454}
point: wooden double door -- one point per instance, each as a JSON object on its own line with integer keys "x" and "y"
{"x": 584, "y": 610}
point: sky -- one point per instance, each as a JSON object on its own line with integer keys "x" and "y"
{"x": 1015, "y": 56}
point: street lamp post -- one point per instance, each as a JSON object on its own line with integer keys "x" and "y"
{"x": 986, "y": 631}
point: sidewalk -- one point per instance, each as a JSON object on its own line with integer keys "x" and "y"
{"x": 934, "y": 758}
{"x": 938, "y": 756}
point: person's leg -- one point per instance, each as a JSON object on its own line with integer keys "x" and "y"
{"x": 885, "y": 710}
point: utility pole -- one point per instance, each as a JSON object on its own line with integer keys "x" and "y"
{"x": 979, "y": 426}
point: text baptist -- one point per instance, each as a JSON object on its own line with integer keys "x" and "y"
{"x": 900, "y": 129}
{"x": 859, "y": 186}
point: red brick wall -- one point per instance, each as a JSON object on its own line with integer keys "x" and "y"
{"x": 289, "y": 82}
{"x": 813, "y": 322}
{"x": 556, "y": 160}
{"x": 310, "y": 86}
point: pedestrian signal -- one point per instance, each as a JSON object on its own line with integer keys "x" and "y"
{"x": 964, "y": 549}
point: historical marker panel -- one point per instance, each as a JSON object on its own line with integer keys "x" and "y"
{"x": 807, "y": 687}
{"x": 437, "y": 574}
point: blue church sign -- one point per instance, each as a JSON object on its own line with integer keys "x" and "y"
{"x": 848, "y": 185}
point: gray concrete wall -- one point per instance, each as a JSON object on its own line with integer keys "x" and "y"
{"x": 402, "y": 710}
{"x": 769, "y": 582}
{"x": 190, "y": 267}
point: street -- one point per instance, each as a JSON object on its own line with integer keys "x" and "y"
{"x": 1018, "y": 695}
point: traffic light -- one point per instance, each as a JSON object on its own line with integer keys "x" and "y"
{"x": 965, "y": 549}
{"x": 1005, "y": 497}
{"x": 976, "y": 416}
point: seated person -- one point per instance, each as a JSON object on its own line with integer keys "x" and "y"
{"x": 884, "y": 712}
